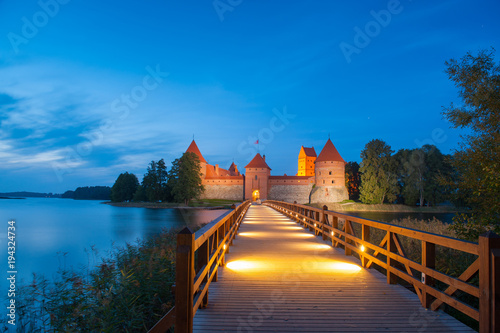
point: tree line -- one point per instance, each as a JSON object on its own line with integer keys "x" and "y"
{"x": 411, "y": 176}
{"x": 470, "y": 177}
{"x": 181, "y": 183}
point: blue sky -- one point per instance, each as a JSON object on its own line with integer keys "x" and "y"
{"x": 90, "y": 89}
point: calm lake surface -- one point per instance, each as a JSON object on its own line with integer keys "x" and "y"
{"x": 59, "y": 233}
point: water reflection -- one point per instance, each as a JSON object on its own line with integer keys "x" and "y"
{"x": 59, "y": 233}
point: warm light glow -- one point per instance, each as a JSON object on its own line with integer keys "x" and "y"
{"x": 345, "y": 267}
{"x": 224, "y": 246}
{"x": 315, "y": 225}
{"x": 242, "y": 265}
{"x": 362, "y": 248}
{"x": 304, "y": 218}
{"x": 291, "y": 228}
{"x": 332, "y": 233}
{"x": 302, "y": 234}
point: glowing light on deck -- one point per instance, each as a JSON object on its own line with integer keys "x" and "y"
{"x": 242, "y": 265}
{"x": 291, "y": 228}
{"x": 345, "y": 267}
{"x": 362, "y": 248}
{"x": 224, "y": 246}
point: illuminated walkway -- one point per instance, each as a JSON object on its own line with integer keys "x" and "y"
{"x": 280, "y": 277}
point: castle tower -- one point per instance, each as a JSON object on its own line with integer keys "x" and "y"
{"x": 257, "y": 178}
{"x": 329, "y": 176}
{"x": 193, "y": 148}
{"x": 307, "y": 156}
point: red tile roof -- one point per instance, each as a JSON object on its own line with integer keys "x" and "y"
{"x": 329, "y": 153}
{"x": 257, "y": 162}
{"x": 309, "y": 151}
{"x": 193, "y": 148}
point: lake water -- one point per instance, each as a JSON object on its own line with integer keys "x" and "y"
{"x": 58, "y": 233}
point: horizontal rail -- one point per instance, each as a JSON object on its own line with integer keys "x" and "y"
{"x": 397, "y": 265}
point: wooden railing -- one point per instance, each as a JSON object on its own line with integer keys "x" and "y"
{"x": 389, "y": 254}
{"x": 197, "y": 259}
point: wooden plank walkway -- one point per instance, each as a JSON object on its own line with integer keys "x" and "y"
{"x": 279, "y": 277}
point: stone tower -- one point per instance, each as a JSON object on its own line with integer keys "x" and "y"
{"x": 257, "y": 178}
{"x": 307, "y": 156}
{"x": 329, "y": 176}
{"x": 193, "y": 148}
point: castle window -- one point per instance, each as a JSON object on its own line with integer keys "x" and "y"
{"x": 333, "y": 181}
{"x": 320, "y": 173}
{"x": 330, "y": 173}
{"x": 323, "y": 181}
{"x": 255, "y": 177}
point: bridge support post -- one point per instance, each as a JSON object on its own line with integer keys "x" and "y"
{"x": 202, "y": 261}
{"x": 391, "y": 246}
{"x": 184, "y": 279}
{"x": 322, "y": 221}
{"x": 429, "y": 261}
{"x": 348, "y": 231}
{"x": 365, "y": 236}
{"x": 489, "y": 283}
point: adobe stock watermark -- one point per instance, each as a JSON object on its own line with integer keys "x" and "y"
{"x": 121, "y": 109}
{"x": 223, "y": 6}
{"x": 266, "y": 135}
{"x": 372, "y": 29}
{"x": 31, "y": 26}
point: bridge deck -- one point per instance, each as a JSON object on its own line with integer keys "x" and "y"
{"x": 279, "y": 277}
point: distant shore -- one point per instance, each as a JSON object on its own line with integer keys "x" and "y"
{"x": 360, "y": 207}
{"x": 338, "y": 207}
{"x": 205, "y": 204}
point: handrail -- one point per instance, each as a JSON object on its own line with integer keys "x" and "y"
{"x": 210, "y": 244}
{"x": 326, "y": 223}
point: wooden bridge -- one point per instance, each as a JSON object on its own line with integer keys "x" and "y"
{"x": 286, "y": 272}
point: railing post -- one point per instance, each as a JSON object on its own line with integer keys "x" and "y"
{"x": 322, "y": 220}
{"x": 391, "y": 246}
{"x": 495, "y": 260}
{"x": 201, "y": 262}
{"x": 365, "y": 236}
{"x": 335, "y": 225}
{"x": 429, "y": 261}
{"x": 348, "y": 231}
{"x": 488, "y": 284}
{"x": 184, "y": 280}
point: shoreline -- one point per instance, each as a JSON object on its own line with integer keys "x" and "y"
{"x": 162, "y": 205}
{"x": 387, "y": 208}
{"x": 337, "y": 207}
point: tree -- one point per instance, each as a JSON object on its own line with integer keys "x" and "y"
{"x": 378, "y": 173}
{"x": 124, "y": 188}
{"x": 154, "y": 182}
{"x": 477, "y": 160}
{"x": 352, "y": 180}
{"x": 185, "y": 178}
{"x": 419, "y": 171}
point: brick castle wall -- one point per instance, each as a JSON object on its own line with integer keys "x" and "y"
{"x": 290, "y": 193}
{"x": 228, "y": 192}
{"x": 323, "y": 194}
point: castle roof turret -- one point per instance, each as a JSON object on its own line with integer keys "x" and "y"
{"x": 329, "y": 153}
{"x": 193, "y": 148}
{"x": 257, "y": 162}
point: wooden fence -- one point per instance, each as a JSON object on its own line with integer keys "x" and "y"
{"x": 389, "y": 254}
{"x": 197, "y": 259}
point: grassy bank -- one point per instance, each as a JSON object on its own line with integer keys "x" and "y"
{"x": 129, "y": 291}
{"x": 351, "y": 206}
{"x": 202, "y": 203}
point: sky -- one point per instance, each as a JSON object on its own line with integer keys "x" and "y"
{"x": 91, "y": 89}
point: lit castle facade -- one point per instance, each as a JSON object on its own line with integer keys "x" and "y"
{"x": 319, "y": 178}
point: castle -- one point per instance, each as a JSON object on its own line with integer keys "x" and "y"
{"x": 319, "y": 178}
